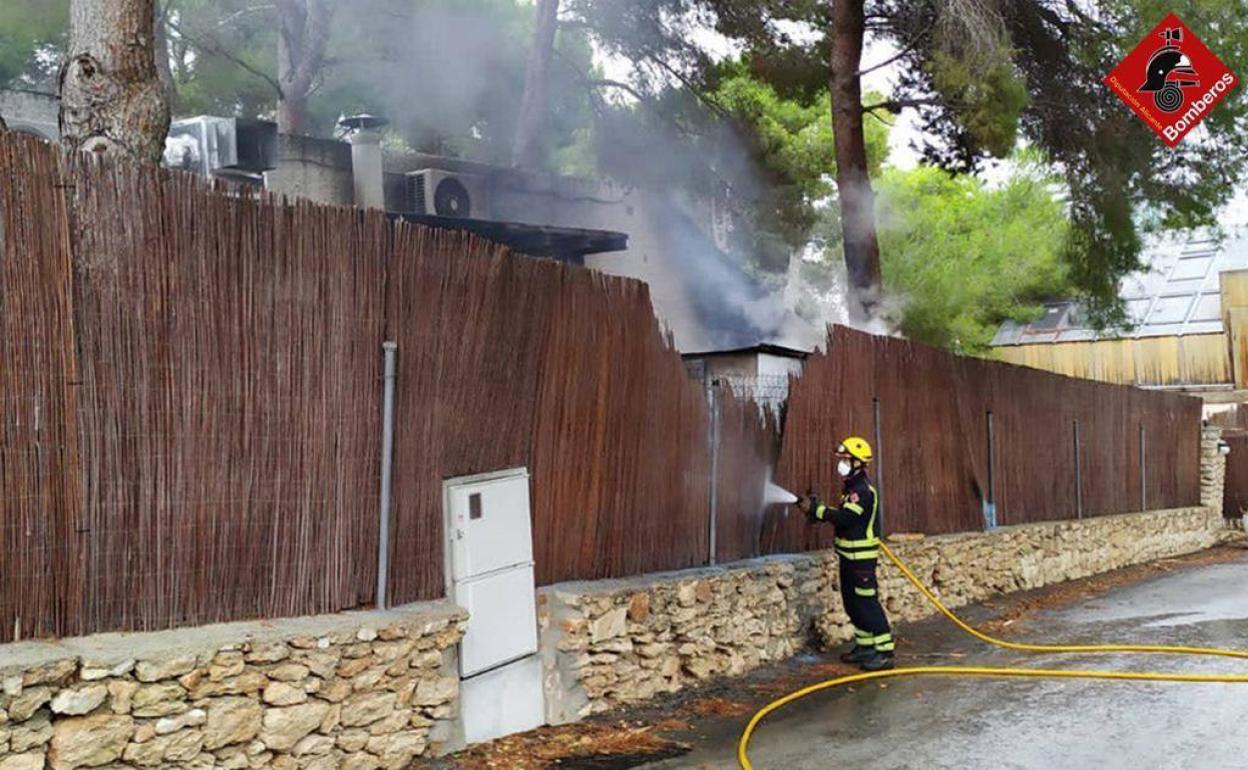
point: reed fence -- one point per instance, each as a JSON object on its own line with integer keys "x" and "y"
{"x": 1235, "y": 502}
{"x": 190, "y": 409}
{"x": 192, "y": 399}
{"x": 507, "y": 361}
{"x": 1060, "y": 448}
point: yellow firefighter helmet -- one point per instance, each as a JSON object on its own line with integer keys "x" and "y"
{"x": 856, "y": 447}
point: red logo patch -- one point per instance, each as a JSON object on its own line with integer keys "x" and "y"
{"x": 1171, "y": 80}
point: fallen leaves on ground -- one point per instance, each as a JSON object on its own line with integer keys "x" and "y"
{"x": 555, "y": 747}
{"x": 720, "y": 707}
{"x": 796, "y": 678}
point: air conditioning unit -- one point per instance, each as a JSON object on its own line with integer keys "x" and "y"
{"x": 211, "y": 146}
{"x": 448, "y": 194}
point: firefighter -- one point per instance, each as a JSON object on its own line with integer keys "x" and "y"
{"x": 856, "y": 523}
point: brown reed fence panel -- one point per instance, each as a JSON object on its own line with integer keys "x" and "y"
{"x": 640, "y": 434}
{"x": 229, "y": 401}
{"x": 928, "y": 471}
{"x": 749, "y": 442}
{"x": 928, "y": 478}
{"x": 41, "y": 572}
{"x": 1033, "y": 445}
{"x": 464, "y": 389}
{"x": 1235, "y": 500}
{"x": 510, "y": 361}
{"x": 933, "y": 464}
{"x": 190, "y": 405}
{"x": 191, "y": 433}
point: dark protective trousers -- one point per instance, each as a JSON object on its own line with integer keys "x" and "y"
{"x": 861, "y": 596}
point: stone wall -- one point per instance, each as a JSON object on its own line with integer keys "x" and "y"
{"x": 610, "y": 643}
{"x": 1212, "y": 468}
{"x": 354, "y": 690}
{"x": 614, "y": 642}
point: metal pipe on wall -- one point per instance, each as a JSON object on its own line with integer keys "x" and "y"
{"x": 1078, "y": 476}
{"x": 879, "y": 464}
{"x": 713, "y": 437}
{"x": 990, "y": 506}
{"x": 1143, "y": 472}
{"x": 390, "y": 350}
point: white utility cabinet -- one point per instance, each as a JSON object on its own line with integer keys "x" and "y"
{"x": 490, "y": 573}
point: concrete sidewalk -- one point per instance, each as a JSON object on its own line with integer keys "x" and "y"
{"x": 1036, "y": 725}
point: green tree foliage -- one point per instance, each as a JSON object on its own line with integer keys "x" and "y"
{"x": 960, "y": 255}
{"x": 792, "y": 138}
{"x": 222, "y": 57}
{"x": 791, "y": 144}
{"x": 1119, "y": 175}
{"x": 984, "y": 73}
{"x": 32, "y": 33}
{"x": 989, "y": 98}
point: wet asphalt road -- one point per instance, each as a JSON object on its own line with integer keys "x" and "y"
{"x": 1040, "y": 724}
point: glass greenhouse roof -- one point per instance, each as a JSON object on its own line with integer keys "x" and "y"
{"x": 1177, "y": 294}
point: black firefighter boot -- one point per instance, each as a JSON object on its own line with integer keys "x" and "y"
{"x": 876, "y": 661}
{"x": 857, "y": 654}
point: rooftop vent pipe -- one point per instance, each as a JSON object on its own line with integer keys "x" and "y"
{"x": 363, "y": 132}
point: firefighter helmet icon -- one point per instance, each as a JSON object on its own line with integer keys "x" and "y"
{"x": 1169, "y": 72}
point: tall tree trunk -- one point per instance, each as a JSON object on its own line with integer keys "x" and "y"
{"x": 111, "y": 98}
{"x": 857, "y": 201}
{"x": 303, "y": 32}
{"x": 161, "y": 34}
{"x": 527, "y": 150}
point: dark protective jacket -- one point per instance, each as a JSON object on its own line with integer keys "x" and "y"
{"x": 854, "y": 519}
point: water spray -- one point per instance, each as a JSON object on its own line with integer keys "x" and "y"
{"x": 774, "y": 494}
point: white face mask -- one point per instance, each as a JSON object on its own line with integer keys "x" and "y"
{"x": 844, "y": 468}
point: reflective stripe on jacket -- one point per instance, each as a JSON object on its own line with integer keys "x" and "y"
{"x": 854, "y": 519}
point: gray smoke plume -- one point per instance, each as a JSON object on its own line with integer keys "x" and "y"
{"x": 444, "y": 72}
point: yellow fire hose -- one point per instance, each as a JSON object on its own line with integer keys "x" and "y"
{"x": 988, "y": 671}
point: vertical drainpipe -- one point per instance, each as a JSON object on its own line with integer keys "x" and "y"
{"x": 713, "y": 438}
{"x": 879, "y": 465}
{"x": 990, "y": 506}
{"x": 1143, "y": 472}
{"x": 1078, "y": 476}
{"x": 387, "y": 468}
